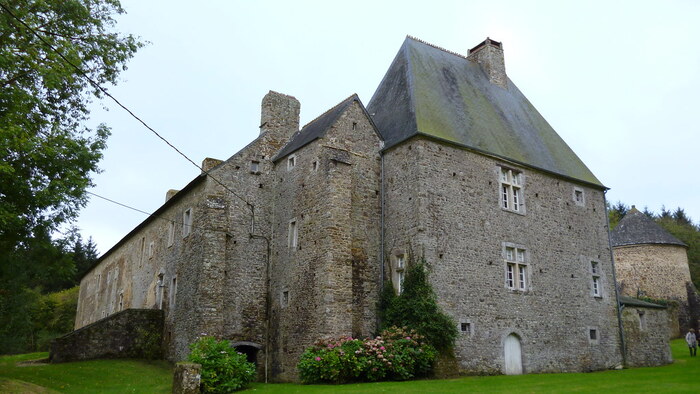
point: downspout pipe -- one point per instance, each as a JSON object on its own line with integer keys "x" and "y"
{"x": 381, "y": 228}
{"x": 623, "y": 346}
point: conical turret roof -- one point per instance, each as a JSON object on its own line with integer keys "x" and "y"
{"x": 636, "y": 228}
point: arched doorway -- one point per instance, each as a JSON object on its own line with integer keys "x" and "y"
{"x": 250, "y": 349}
{"x": 513, "y": 355}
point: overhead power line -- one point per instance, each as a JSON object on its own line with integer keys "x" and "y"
{"x": 152, "y": 215}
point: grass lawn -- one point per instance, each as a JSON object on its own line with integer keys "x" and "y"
{"x": 132, "y": 376}
{"x": 97, "y": 376}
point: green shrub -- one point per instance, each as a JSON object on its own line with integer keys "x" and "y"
{"x": 398, "y": 354}
{"x": 224, "y": 370}
{"x": 416, "y": 307}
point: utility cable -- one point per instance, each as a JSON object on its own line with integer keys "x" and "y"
{"x": 150, "y": 215}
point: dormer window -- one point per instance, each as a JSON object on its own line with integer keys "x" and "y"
{"x": 291, "y": 162}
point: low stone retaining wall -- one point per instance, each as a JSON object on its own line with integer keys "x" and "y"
{"x": 132, "y": 333}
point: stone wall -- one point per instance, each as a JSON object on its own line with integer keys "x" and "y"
{"x": 326, "y": 285}
{"x": 443, "y": 203}
{"x": 133, "y": 333}
{"x": 646, "y": 336}
{"x": 656, "y": 271}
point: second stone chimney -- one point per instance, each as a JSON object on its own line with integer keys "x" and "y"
{"x": 279, "y": 112}
{"x": 489, "y": 54}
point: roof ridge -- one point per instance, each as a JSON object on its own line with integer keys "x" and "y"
{"x": 436, "y": 46}
{"x": 329, "y": 110}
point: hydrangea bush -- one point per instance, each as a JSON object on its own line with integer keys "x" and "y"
{"x": 224, "y": 370}
{"x": 397, "y": 354}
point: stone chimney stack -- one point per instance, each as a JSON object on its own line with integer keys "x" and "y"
{"x": 279, "y": 112}
{"x": 489, "y": 54}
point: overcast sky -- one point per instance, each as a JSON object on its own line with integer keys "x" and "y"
{"x": 618, "y": 80}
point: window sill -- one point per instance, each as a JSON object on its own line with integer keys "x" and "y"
{"x": 521, "y": 213}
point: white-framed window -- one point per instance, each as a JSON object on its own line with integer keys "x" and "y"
{"x": 516, "y": 268}
{"x": 186, "y": 222}
{"x": 291, "y": 162}
{"x": 579, "y": 197}
{"x": 596, "y": 288}
{"x": 255, "y": 167}
{"x": 151, "y": 249}
{"x": 292, "y": 234}
{"x": 511, "y": 190}
{"x": 171, "y": 233}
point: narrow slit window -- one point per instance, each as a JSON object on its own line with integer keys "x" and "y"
{"x": 292, "y": 235}
{"x": 596, "y": 289}
{"x": 186, "y": 222}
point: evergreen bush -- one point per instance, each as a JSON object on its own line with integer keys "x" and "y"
{"x": 416, "y": 307}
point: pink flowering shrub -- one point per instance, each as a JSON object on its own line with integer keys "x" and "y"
{"x": 398, "y": 354}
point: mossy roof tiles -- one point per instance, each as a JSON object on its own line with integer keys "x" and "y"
{"x": 430, "y": 91}
{"x": 316, "y": 128}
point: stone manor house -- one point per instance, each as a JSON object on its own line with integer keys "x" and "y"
{"x": 291, "y": 239}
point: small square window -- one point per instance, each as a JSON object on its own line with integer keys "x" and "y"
{"x": 465, "y": 327}
{"x": 291, "y": 162}
{"x": 593, "y": 334}
{"x": 255, "y": 167}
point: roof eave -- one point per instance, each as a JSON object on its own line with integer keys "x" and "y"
{"x": 495, "y": 156}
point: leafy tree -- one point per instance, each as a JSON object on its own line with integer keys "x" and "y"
{"x": 47, "y": 156}
{"x": 416, "y": 308}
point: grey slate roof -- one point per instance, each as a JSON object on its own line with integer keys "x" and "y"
{"x": 636, "y": 228}
{"x": 637, "y": 302}
{"x": 317, "y": 128}
{"x": 432, "y": 92}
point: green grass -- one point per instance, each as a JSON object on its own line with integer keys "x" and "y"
{"x": 133, "y": 376}
{"x": 97, "y": 376}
